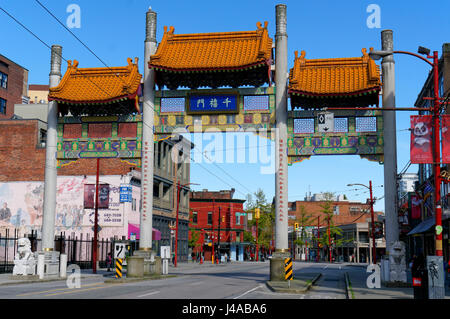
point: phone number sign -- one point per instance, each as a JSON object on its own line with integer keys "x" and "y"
{"x": 201, "y": 104}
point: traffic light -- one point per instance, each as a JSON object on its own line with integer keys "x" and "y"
{"x": 296, "y": 226}
{"x": 257, "y": 213}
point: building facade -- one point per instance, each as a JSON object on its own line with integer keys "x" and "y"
{"x": 38, "y": 93}
{"x": 421, "y": 238}
{"x": 13, "y": 86}
{"x": 309, "y": 217}
{"x": 22, "y": 163}
{"x": 218, "y": 223}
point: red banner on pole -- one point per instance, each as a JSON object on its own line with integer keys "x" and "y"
{"x": 103, "y": 196}
{"x": 415, "y": 207}
{"x": 421, "y": 139}
{"x": 446, "y": 138}
{"x": 89, "y": 196}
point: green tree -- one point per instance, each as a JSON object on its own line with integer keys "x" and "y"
{"x": 333, "y": 233}
{"x": 195, "y": 236}
{"x": 304, "y": 219}
{"x": 266, "y": 221}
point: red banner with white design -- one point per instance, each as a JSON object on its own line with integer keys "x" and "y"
{"x": 445, "y": 133}
{"x": 421, "y": 139}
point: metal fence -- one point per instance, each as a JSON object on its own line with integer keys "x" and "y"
{"x": 77, "y": 248}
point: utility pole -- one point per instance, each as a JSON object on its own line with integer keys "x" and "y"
{"x": 437, "y": 156}
{"x": 50, "y": 177}
{"x": 281, "y": 173}
{"x": 318, "y": 238}
{"x": 48, "y": 259}
{"x": 176, "y": 224}
{"x": 218, "y": 239}
{"x": 390, "y": 141}
{"x": 329, "y": 240}
{"x": 374, "y": 250}
{"x": 146, "y": 217}
{"x": 212, "y": 233}
{"x": 94, "y": 243}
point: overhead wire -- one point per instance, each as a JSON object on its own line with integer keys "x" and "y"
{"x": 48, "y": 46}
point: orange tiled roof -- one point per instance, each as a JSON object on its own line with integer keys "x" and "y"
{"x": 212, "y": 51}
{"x": 334, "y": 77}
{"x": 97, "y": 85}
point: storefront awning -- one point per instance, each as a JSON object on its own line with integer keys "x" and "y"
{"x": 423, "y": 226}
{"x": 134, "y": 229}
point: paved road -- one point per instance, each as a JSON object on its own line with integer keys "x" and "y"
{"x": 228, "y": 281}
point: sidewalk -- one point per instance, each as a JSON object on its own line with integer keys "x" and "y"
{"x": 102, "y": 273}
{"x": 8, "y": 279}
{"x": 358, "y": 287}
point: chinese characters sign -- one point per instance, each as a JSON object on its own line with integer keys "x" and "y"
{"x": 213, "y": 104}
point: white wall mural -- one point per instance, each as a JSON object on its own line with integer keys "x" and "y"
{"x": 21, "y": 205}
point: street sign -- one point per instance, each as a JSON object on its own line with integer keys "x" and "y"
{"x": 325, "y": 121}
{"x": 119, "y": 250}
{"x": 125, "y": 195}
{"x": 99, "y": 228}
{"x": 165, "y": 252}
{"x": 288, "y": 269}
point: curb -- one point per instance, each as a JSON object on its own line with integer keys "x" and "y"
{"x": 348, "y": 290}
{"x": 34, "y": 281}
{"x": 292, "y": 290}
{"x": 124, "y": 280}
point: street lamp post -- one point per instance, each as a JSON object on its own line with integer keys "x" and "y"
{"x": 376, "y": 55}
{"x": 176, "y": 225}
{"x": 374, "y": 250}
{"x": 318, "y": 239}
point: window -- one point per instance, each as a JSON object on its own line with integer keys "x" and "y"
{"x": 209, "y": 218}
{"x": 336, "y": 210}
{"x": 2, "y": 106}
{"x": 238, "y": 218}
{"x": 341, "y": 125}
{"x": 304, "y": 126}
{"x": 366, "y": 124}
{"x": 172, "y": 104}
{"x": 3, "y": 80}
{"x": 256, "y": 103}
{"x": 133, "y": 205}
{"x": 42, "y": 137}
{"x": 194, "y": 218}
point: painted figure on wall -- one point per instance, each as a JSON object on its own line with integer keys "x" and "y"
{"x": 34, "y": 198}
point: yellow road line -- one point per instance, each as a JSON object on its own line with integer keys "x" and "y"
{"x": 72, "y": 291}
{"x": 44, "y": 291}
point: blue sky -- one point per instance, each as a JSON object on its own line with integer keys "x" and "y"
{"x": 115, "y": 30}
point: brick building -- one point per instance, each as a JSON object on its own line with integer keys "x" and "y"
{"x": 345, "y": 212}
{"x": 213, "y": 214}
{"x": 13, "y": 86}
{"x": 351, "y": 217}
{"x": 22, "y": 163}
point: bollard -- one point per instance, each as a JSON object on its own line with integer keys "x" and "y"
{"x": 40, "y": 265}
{"x": 63, "y": 266}
{"x": 119, "y": 262}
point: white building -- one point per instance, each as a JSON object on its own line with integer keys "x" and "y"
{"x": 406, "y": 183}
